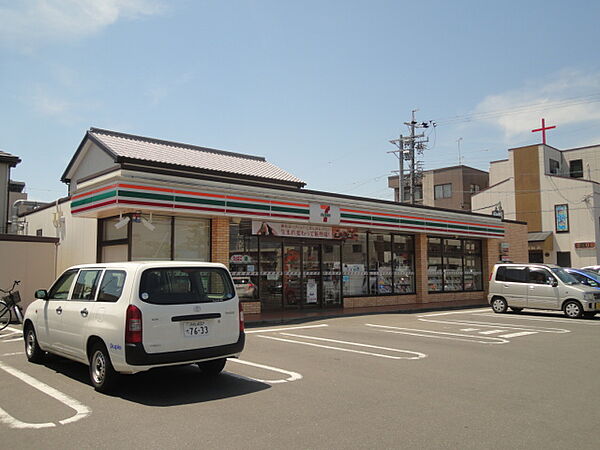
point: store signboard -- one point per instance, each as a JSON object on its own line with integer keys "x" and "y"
{"x": 324, "y": 214}
{"x": 585, "y": 245}
{"x": 291, "y": 230}
{"x": 561, "y": 218}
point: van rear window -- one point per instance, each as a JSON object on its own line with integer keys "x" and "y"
{"x": 511, "y": 274}
{"x": 171, "y": 286}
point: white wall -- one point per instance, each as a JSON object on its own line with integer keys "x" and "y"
{"x": 77, "y": 235}
{"x": 591, "y": 161}
{"x": 500, "y": 171}
{"x": 92, "y": 160}
{"x": 503, "y": 193}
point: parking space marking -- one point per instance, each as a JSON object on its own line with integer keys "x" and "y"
{"x": 543, "y": 319}
{"x": 508, "y": 326}
{"x": 416, "y": 355}
{"x": 469, "y": 329}
{"x": 13, "y": 340}
{"x": 292, "y": 376}
{"x": 522, "y": 333}
{"x": 489, "y": 331}
{"x": 471, "y": 311}
{"x": 268, "y": 330}
{"x": 439, "y": 334}
{"x": 13, "y": 354}
{"x": 81, "y": 411}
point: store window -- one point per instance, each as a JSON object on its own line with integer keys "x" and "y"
{"x": 403, "y": 264}
{"x": 442, "y": 191}
{"x": 151, "y": 243}
{"x": 354, "y": 258}
{"x": 380, "y": 264}
{"x": 191, "y": 239}
{"x": 243, "y": 258}
{"x": 454, "y": 265}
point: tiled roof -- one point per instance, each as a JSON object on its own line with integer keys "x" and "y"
{"x": 173, "y": 153}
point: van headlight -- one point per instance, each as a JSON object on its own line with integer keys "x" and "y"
{"x": 588, "y": 296}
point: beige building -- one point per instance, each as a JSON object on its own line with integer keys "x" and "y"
{"x": 557, "y": 192}
{"x": 448, "y": 187}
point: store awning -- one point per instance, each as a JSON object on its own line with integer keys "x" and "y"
{"x": 539, "y": 236}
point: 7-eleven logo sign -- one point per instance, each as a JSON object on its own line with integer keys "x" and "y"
{"x": 326, "y": 214}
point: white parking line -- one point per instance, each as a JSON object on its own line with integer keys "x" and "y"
{"x": 439, "y": 334}
{"x": 268, "y": 330}
{"x": 13, "y": 354}
{"x": 12, "y": 340}
{"x": 509, "y": 326}
{"x": 490, "y": 332}
{"x": 417, "y": 355}
{"x": 469, "y": 311}
{"x": 543, "y": 319}
{"x": 292, "y": 376}
{"x": 81, "y": 410}
{"x": 523, "y": 333}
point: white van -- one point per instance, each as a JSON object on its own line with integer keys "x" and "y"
{"x": 540, "y": 286}
{"x": 133, "y": 316}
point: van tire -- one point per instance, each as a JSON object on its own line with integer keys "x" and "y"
{"x": 499, "y": 305}
{"x": 515, "y": 309}
{"x": 102, "y": 373}
{"x": 573, "y": 309}
{"x": 32, "y": 349}
{"x": 212, "y": 368}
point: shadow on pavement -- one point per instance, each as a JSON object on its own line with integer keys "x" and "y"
{"x": 167, "y": 386}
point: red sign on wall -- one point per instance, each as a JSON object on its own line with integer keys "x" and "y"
{"x": 585, "y": 245}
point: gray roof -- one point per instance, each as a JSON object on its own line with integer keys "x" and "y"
{"x": 6, "y": 157}
{"x": 127, "y": 146}
{"x": 539, "y": 236}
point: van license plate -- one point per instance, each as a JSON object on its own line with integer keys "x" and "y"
{"x": 195, "y": 329}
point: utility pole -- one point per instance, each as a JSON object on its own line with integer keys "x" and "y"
{"x": 408, "y": 147}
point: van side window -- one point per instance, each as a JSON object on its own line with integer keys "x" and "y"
{"x": 86, "y": 285}
{"x": 60, "y": 289}
{"x": 111, "y": 286}
{"x": 511, "y": 274}
{"x": 539, "y": 276}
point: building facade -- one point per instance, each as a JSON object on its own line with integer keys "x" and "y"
{"x": 7, "y": 162}
{"x": 137, "y": 198}
{"x": 447, "y": 187}
{"x": 557, "y": 192}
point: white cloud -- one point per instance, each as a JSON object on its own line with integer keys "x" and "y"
{"x": 568, "y": 98}
{"x": 27, "y": 24}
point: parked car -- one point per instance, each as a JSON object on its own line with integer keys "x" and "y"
{"x": 592, "y": 268}
{"x": 586, "y": 277}
{"x": 245, "y": 288}
{"x": 540, "y": 286}
{"x": 134, "y": 316}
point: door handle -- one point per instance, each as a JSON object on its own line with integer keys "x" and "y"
{"x": 84, "y": 312}
{"x": 59, "y": 310}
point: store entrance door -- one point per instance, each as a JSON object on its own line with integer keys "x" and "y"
{"x": 311, "y": 276}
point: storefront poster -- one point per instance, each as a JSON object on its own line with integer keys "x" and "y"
{"x": 302, "y": 230}
{"x": 311, "y": 291}
{"x": 561, "y": 217}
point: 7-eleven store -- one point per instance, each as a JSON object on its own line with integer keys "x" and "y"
{"x": 287, "y": 247}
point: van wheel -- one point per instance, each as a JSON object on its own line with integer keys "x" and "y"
{"x": 573, "y": 309}
{"x": 102, "y": 373}
{"x": 499, "y": 305}
{"x": 515, "y": 309}
{"x": 32, "y": 349}
{"x": 212, "y": 368}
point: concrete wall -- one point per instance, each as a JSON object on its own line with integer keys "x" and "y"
{"x": 502, "y": 193}
{"x": 500, "y": 171}
{"x": 77, "y": 235}
{"x": 93, "y": 160}
{"x": 31, "y": 260}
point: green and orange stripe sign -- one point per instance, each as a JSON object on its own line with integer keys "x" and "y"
{"x": 137, "y": 196}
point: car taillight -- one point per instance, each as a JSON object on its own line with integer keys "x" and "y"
{"x": 241, "y": 316}
{"x": 133, "y": 325}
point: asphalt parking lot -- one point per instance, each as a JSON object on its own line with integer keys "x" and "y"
{"x": 454, "y": 379}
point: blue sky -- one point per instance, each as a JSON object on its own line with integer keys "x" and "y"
{"x": 317, "y": 87}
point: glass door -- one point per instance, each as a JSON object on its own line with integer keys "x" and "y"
{"x": 292, "y": 276}
{"x": 332, "y": 276}
{"x": 311, "y": 281}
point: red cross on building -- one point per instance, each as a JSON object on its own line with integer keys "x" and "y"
{"x": 543, "y": 130}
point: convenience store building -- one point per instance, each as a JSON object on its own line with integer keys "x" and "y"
{"x": 137, "y": 198}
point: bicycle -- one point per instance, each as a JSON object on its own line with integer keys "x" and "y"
{"x": 9, "y": 305}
